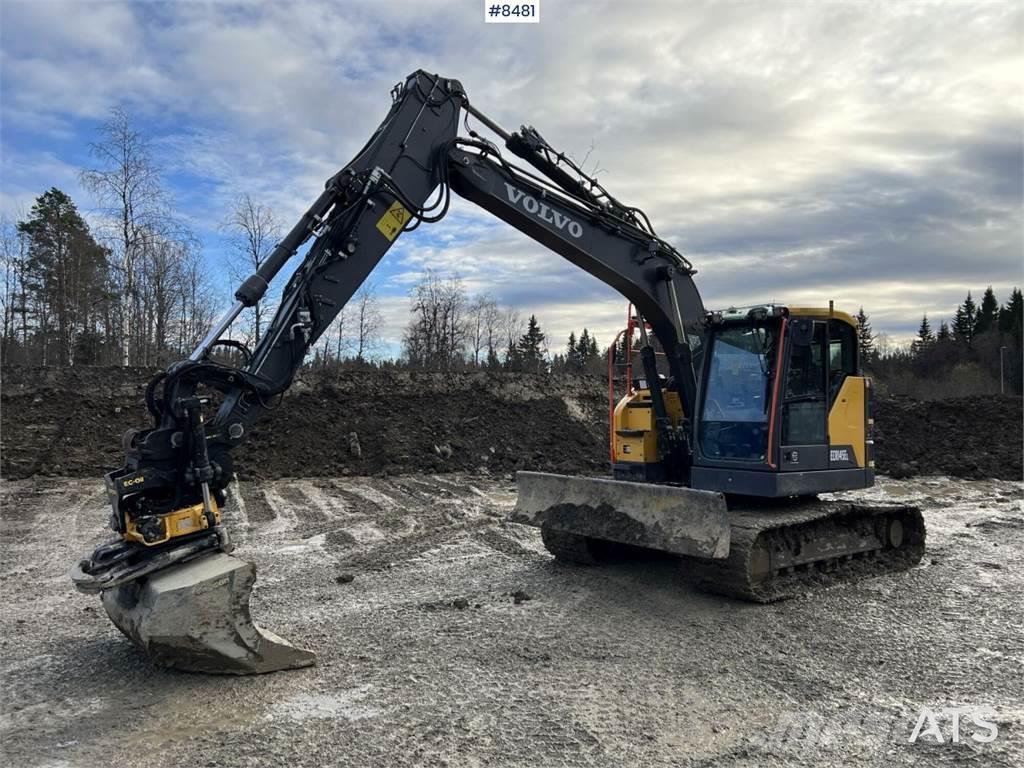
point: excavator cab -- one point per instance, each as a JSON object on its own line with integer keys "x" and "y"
{"x": 782, "y": 409}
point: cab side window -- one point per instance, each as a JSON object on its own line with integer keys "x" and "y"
{"x": 842, "y": 357}
{"x": 804, "y": 407}
{"x": 806, "y": 375}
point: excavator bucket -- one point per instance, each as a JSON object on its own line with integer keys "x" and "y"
{"x": 195, "y": 617}
{"x": 577, "y": 514}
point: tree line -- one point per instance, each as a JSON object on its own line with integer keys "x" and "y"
{"x": 977, "y": 350}
{"x": 451, "y": 329}
{"x": 131, "y": 290}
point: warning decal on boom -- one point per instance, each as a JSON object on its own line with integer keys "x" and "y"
{"x": 393, "y": 221}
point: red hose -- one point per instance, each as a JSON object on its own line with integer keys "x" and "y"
{"x": 630, "y": 325}
{"x": 775, "y": 393}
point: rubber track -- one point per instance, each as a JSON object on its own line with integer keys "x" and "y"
{"x": 749, "y": 528}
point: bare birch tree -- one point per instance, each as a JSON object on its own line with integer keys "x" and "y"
{"x": 254, "y": 232}
{"x": 128, "y": 186}
{"x": 482, "y": 325}
{"x": 367, "y": 319}
{"x": 435, "y": 336}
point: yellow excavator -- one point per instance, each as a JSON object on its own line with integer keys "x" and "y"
{"x": 733, "y": 423}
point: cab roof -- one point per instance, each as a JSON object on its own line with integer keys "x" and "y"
{"x": 821, "y": 313}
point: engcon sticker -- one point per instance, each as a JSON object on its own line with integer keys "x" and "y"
{"x": 393, "y": 221}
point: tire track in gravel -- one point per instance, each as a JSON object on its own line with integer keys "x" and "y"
{"x": 257, "y": 508}
{"x": 393, "y": 552}
{"x": 429, "y": 526}
{"x": 91, "y": 525}
{"x": 350, "y": 519}
{"x": 354, "y": 520}
{"x": 459, "y": 488}
{"x": 323, "y": 493}
{"x": 396, "y": 493}
{"x": 284, "y": 512}
{"x": 303, "y": 509}
{"x": 387, "y": 513}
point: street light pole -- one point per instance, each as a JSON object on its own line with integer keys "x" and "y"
{"x": 1002, "y": 382}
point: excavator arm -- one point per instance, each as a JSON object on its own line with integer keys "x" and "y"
{"x": 416, "y": 155}
{"x": 401, "y": 179}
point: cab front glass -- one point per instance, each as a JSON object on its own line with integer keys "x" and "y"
{"x": 737, "y": 393}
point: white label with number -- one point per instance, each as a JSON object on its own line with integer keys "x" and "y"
{"x": 512, "y": 13}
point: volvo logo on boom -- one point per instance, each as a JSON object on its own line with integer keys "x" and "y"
{"x": 543, "y": 212}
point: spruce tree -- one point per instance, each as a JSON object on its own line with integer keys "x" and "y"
{"x": 944, "y": 333}
{"x": 572, "y": 353}
{"x": 987, "y": 318}
{"x": 1012, "y": 314}
{"x": 512, "y": 358}
{"x": 530, "y": 349}
{"x": 925, "y": 337}
{"x": 865, "y": 336}
{"x": 584, "y": 348}
{"x": 964, "y": 320}
{"x": 620, "y": 353}
{"x": 493, "y": 361}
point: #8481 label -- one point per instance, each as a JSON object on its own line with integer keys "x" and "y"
{"x": 512, "y": 13}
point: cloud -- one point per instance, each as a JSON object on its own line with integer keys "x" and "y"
{"x": 867, "y": 153}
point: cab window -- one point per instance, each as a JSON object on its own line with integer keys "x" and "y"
{"x": 842, "y": 358}
{"x": 734, "y": 423}
{"x": 803, "y": 406}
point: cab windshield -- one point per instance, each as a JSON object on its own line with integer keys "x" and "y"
{"x": 734, "y": 421}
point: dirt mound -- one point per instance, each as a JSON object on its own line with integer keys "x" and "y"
{"x": 972, "y": 437}
{"x": 70, "y": 422}
{"x": 426, "y": 422}
{"x": 368, "y": 423}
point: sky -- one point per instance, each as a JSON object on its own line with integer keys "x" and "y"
{"x": 867, "y": 153}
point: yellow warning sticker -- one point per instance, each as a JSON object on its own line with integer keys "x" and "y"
{"x": 393, "y": 221}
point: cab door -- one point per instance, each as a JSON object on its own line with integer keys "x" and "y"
{"x": 805, "y": 398}
{"x": 848, "y": 396}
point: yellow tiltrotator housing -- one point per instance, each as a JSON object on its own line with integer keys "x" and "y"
{"x": 181, "y": 522}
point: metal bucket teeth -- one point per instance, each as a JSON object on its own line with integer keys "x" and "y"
{"x": 195, "y": 617}
{"x": 661, "y": 517}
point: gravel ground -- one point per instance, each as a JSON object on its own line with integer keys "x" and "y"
{"x": 433, "y": 655}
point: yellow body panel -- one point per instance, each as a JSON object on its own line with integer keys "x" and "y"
{"x": 847, "y": 419}
{"x": 181, "y": 522}
{"x": 636, "y": 439}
